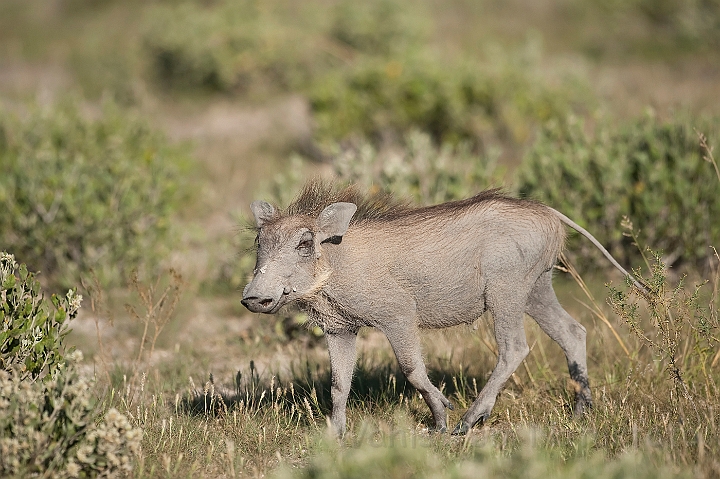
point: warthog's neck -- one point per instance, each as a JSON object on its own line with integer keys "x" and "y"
{"x": 326, "y": 313}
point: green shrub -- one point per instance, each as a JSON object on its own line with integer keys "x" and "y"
{"x": 376, "y": 27}
{"x": 81, "y": 194}
{"x": 641, "y": 31}
{"x": 681, "y": 332}
{"x": 379, "y": 98}
{"x": 689, "y": 23}
{"x": 31, "y": 332}
{"x": 268, "y": 47}
{"x": 50, "y": 423}
{"x": 421, "y": 172}
{"x": 366, "y": 67}
{"x": 227, "y": 46}
{"x": 650, "y": 170}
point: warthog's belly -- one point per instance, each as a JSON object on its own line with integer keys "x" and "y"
{"x": 446, "y": 296}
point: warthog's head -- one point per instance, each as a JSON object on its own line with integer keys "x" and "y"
{"x": 289, "y": 252}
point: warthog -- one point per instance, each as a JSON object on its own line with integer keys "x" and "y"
{"x": 351, "y": 261}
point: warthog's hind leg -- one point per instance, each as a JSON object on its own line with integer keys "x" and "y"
{"x": 507, "y": 310}
{"x": 405, "y": 341}
{"x": 544, "y": 307}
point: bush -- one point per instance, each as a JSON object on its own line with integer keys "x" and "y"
{"x": 689, "y": 23}
{"x": 420, "y": 172}
{"x": 366, "y": 67}
{"x": 682, "y": 332}
{"x": 650, "y": 170}
{"x": 32, "y": 331}
{"x": 54, "y": 428}
{"x": 267, "y": 47}
{"x": 454, "y": 102}
{"x": 227, "y": 46}
{"x": 81, "y": 194}
{"x": 376, "y": 27}
{"x": 49, "y": 421}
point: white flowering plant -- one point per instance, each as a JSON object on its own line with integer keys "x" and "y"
{"x": 55, "y": 429}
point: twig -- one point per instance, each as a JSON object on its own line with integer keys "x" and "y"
{"x": 713, "y": 309}
{"x": 157, "y": 312}
{"x": 708, "y": 156}
{"x": 99, "y": 307}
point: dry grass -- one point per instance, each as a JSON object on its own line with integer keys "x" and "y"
{"x": 230, "y": 416}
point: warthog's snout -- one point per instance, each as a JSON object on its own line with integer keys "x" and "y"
{"x": 259, "y": 298}
{"x": 259, "y": 305}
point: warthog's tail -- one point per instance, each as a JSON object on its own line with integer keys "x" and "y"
{"x": 599, "y": 246}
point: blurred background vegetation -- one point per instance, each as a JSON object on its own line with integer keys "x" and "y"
{"x": 590, "y": 106}
{"x": 134, "y": 134}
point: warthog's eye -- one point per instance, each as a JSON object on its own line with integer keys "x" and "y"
{"x": 305, "y": 247}
{"x": 257, "y": 241}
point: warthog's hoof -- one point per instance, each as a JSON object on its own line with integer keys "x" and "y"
{"x": 582, "y": 406}
{"x": 461, "y": 429}
{"x": 438, "y": 430}
{"x": 446, "y": 402}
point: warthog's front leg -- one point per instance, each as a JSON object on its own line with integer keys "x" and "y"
{"x": 342, "y": 362}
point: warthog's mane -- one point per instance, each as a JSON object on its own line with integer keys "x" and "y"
{"x": 380, "y": 206}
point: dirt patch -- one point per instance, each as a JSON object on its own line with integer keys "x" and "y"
{"x": 632, "y": 88}
{"x": 283, "y": 119}
{"x": 42, "y": 82}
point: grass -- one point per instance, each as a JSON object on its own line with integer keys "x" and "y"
{"x": 230, "y": 395}
{"x": 254, "y": 435}
{"x": 224, "y": 416}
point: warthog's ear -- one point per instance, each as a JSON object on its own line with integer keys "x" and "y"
{"x": 334, "y": 220}
{"x": 262, "y": 211}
